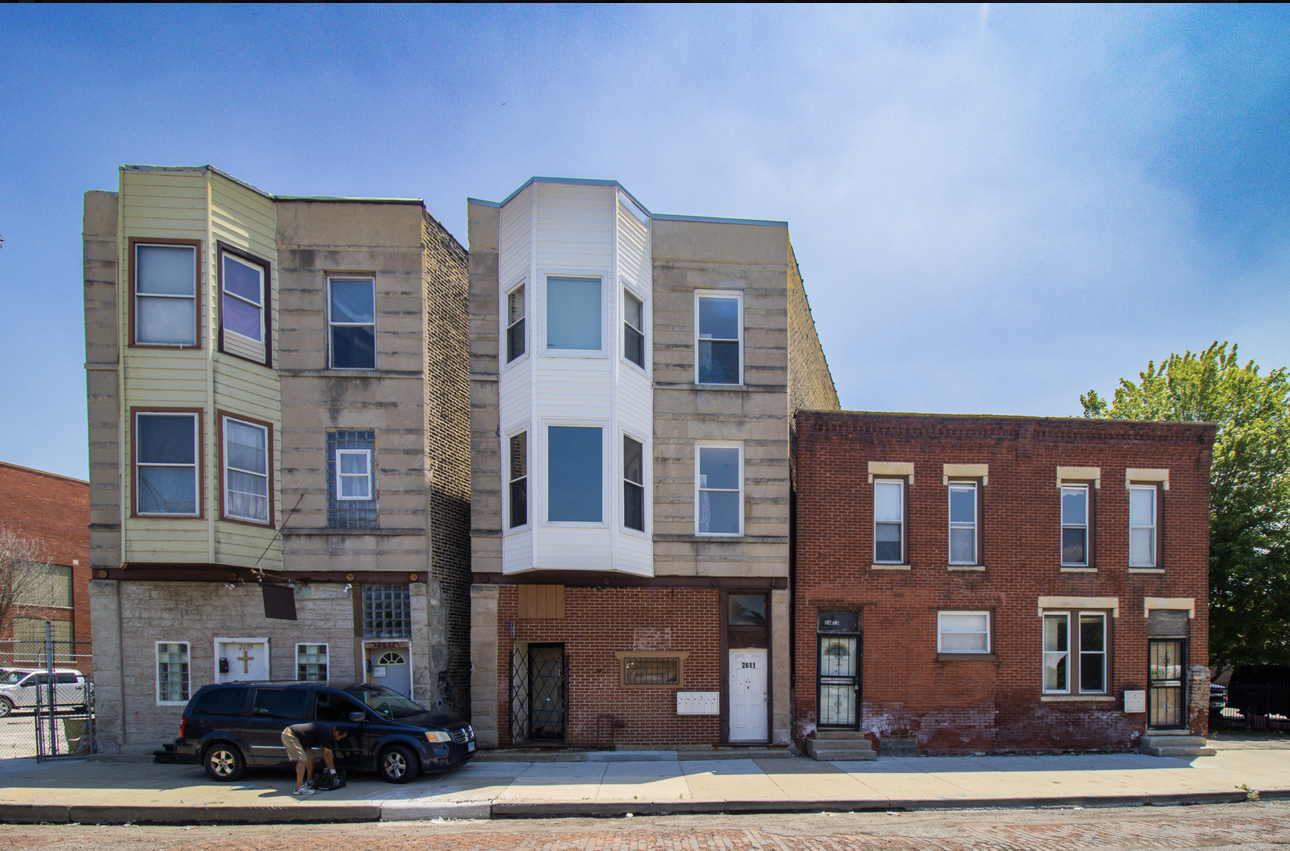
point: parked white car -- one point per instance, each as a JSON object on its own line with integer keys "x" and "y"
{"x": 18, "y": 689}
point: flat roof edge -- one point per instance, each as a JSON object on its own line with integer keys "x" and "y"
{"x": 720, "y": 220}
{"x": 202, "y": 169}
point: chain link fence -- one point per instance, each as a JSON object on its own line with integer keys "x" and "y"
{"x": 46, "y": 699}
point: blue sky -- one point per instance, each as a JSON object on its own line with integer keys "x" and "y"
{"x": 995, "y": 208}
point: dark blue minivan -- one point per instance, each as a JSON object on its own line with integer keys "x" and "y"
{"x": 229, "y": 727}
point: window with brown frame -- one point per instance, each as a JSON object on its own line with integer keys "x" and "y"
{"x": 244, "y": 284}
{"x": 652, "y": 670}
{"x": 165, "y": 285}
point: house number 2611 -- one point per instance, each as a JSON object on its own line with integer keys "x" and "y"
{"x": 750, "y": 664}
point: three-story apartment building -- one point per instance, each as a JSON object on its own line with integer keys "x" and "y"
{"x": 278, "y": 422}
{"x": 633, "y": 378}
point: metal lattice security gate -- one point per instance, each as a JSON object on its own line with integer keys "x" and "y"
{"x": 539, "y": 693}
{"x": 47, "y": 703}
{"x": 1167, "y": 684}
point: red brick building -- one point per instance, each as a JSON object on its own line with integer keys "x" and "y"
{"x": 972, "y": 583}
{"x": 53, "y": 513}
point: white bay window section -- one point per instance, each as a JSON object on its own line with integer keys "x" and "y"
{"x": 575, "y": 474}
{"x": 633, "y": 329}
{"x": 246, "y": 471}
{"x": 515, "y": 323}
{"x": 165, "y": 455}
{"x": 633, "y": 484}
{"x": 719, "y": 479}
{"x": 574, "y": 310}
{"x": 165, "y": 295}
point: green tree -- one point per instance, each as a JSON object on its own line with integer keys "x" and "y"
{"x": 1249, "y": 495}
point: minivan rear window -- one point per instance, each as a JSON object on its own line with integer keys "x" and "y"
{"x": 279, "y": 703}
{"x": 221, "y": 701}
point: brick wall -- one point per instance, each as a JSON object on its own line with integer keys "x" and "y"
{"x": 601, "y": 621}
{"x": 992, "y": 703}
{"x": 447, "y": 406}
{"x": 53, "y": 512}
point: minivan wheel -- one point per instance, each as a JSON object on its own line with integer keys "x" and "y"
{"x": 398, "y": 764}
{"x": 5, "y": 707}
{"x": 224, "y": 762}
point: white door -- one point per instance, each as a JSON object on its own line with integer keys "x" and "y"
{"x": 241, "y": 660}
{"x": 748, "y": 721}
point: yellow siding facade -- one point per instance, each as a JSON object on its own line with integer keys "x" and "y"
{"x": 205, "y": 207}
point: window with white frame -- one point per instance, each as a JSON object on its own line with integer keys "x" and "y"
{"x": 963, "y": 632}
{"x": 1075, "y": 653}
{"x": 889, "y": 521}
{"x": 719, "y": 481}
{"x": 1075, "y": 512}
{"x": 165, "y": 294}
{"x": 575, "y": 474}
{"x": 353, "y": 474}
{"x": 165, "y": 464}
{"x": 351, "y": 458}
{"x": 243, "y": 303}
{"x": 515, "y": 323}
{"x": 718, "y": 345}
{"x": 172, "y": 672}
{"x": 311, "y": 662}
{"x": 633, "y": 484}
{"x": 1142, "y": 525}
{"x": 246, "y": 470}
{"x": 633, "y": 329}
{"x": 351, "y": 323}
{"x": 963, "y": 523}
{"x": 519, "y": 479}
{"x": 574, "y": 307}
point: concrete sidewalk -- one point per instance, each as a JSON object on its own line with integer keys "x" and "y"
{"x": 614, "y": 784}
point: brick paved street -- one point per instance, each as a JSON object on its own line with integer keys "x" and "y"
{"x": 1264, "y": 825}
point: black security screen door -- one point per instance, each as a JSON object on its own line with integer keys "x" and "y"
{"x": 539, "y": 689}
{"x": 1167, "y": 683}
{"x": 838, "y": 671}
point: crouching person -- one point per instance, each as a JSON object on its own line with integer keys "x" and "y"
{"x": 300, "y": 741}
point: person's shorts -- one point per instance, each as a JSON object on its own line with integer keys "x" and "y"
{"x": 295, "y": 751}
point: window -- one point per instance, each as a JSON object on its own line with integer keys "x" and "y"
{"x": 519, "y": 477}
{"x": 172, "y": 672}
{"x": 720, "y": 480}
{"x": 351, "y": 480}
{"x": 353, "y": 474}
{"x": 165, "y": 462}
{"x": 633, "y": 329}
{"x": 1085, "y": 674}
{"x": 575, "y": 471}
{"x": 889, "y": 521}
{"x": 1075, "y": 525}
{"x": 165, "y": 294}
{"x": 387, "y": 611}
{"x": 1142, "y": 526}
{"x": 284, "y": 703}
{"x": 573, "y": 309}
{"x": 963, "y": 509}
{"x": 46, "y": 585}
{"x": 246, "y": 471}
{"x": 243, "y": 306}
{"x": 963, "y": 632}
{"x": 311, "y": 662}
{"x": 28, "y": 643}
{"x": 515, "y": 323}
{"x": 633, "y": 484}
{"x": 718, "y": 344}
{"x": 652, "y": 670}
{"x": 351, "y": 319}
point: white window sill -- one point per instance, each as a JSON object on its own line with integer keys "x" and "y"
{"x": 1066, "y": 569}
{"x": 976, "y": 567}
{"x": 1146, "y": 570}
{"x": 889, "y": 567}
{"x": 1077, "y": 698}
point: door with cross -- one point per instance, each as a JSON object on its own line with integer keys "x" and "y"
{"x": 241, "y": 660}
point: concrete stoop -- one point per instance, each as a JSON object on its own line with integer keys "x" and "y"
{"x": 1177, "y": 743}
{"x": 839, "y": 746}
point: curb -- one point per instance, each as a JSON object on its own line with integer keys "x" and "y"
{"x": 326, "y": 814}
